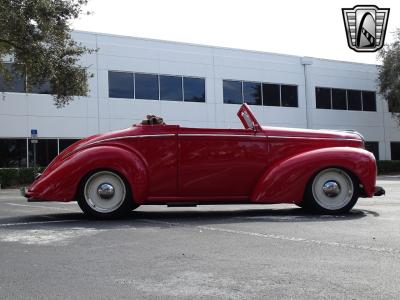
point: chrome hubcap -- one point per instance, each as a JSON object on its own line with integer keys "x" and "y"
{"x": 331, "y": 188}
{"x": 106, "y": 190}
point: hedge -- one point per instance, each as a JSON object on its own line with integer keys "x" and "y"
{"x": 16, "y": 177}
{"x": 388, "y": 166}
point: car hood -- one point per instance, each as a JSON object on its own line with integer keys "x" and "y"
{"x": 312, "y": 133}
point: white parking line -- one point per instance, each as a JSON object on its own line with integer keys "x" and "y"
{"x": 303, "y": 240}
{"x": 39, "y": 206}
{"x": 36, "y": 222}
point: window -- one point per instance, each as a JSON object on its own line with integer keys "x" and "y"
{"x": 65, "y": 143}
{"x": 42, "y": 88}
{"x": 354, "y": 100}
{"x": 289, "y": 95}
{"x": 339, "y": 99}
{"x": 194, "y": 89}
{"x": 255, "y": 93}
{"x": 369, "y": 101}
{"x": 46, "y": 150}
{"x": 373, "y": 147}
{"x": 395, "y": 150}
{"x": 120, "y": 84}
{"x": 271, "y": 94}
{"x": 156, "y": 87}
{"x": 15, "y": 84}
{"x": 232, "y": 92}
{"x": 171, "y": 88}
{"x": 345, "y": 99}
{"x": 12, "y": 153}
{"x": 323, "y": 98}
{"x": 146, "y": 86}
{"x": 393, "y": 106}
{"x": 252, "y": 93}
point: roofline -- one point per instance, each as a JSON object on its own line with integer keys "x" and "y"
{"x": 216, "y": 47}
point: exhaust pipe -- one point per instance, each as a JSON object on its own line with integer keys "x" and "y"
{"x": 379, "y": 191}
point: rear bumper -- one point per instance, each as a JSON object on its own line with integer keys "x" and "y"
{"x": 379, "y": 191}
{"x": 30, "y": 198}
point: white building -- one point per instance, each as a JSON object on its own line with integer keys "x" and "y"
{"x": 285, "y": 90}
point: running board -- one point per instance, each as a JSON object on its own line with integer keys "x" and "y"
{"x": 181, "y": 204}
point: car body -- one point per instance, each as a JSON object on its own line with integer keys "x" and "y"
{"x": 171, "y": 165}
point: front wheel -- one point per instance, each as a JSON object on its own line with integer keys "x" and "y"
{"x": 104, "y": 194}
{"x": 332, "y": 191}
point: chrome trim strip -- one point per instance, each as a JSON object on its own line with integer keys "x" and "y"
{"x": 311, "y": 138}
{"x": 221, "y": 135}
{"x": 131, "y": 137}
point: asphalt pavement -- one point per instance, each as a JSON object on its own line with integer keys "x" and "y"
{"x": 52, "y": 251}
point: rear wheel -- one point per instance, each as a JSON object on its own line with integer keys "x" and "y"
{"x": 332, "y": 191}
{"x": 105, "y": 194}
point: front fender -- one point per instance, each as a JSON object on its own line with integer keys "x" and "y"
{"x": 61, "y": 181}
{"x": 286, "y": 181}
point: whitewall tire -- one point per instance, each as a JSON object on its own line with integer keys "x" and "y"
{"x": 105, "y": 194}
{"x": 332, "y": 190}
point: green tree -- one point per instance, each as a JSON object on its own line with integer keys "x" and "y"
{"x": 37, "y": 34}
{"x": 389, "y": 75}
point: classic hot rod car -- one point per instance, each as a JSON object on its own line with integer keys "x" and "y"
{"x": 154, "y": 163}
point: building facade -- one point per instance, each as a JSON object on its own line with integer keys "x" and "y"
{"x": 195, "y": 86}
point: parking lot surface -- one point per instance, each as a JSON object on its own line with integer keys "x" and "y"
{"x": 51, "y": 250}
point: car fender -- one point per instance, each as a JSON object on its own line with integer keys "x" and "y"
{"x": 286, "y": 180}
{"x": 61, "y": 182}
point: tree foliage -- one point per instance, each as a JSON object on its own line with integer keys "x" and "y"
{"x": 389, "y": 75}
{"x": 37, "y": 34}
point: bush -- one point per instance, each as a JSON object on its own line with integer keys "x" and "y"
{"x": 16, "y": 177}
{"x": 388, "y": 166}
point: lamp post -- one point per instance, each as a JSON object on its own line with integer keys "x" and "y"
{"x": 34, "y": 141}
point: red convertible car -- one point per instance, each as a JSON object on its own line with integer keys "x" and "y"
{"x": 112, "y": 173}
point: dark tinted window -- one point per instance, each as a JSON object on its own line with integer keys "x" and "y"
{"x": 42, "y": 88}
{"x": 233, "y": 92}
{"x": 339, "y": 99}
{"x": 252, "y": 93}
{"x": 146, "y": 86}
{"x": 12, "y": 153}
{"x": 289, "y": 95}
{"x": 171, "y": 88}
{"x": 369, "y": 101}
{"x": 194, "y": 89}
{"x": 373, "y": 147}
{"x": 120, "y": 84}
{"x": 394, "y": 106}
{"x": 271, "y": 94}
{"x": 354, "y": 100}
{"x": 46, "y": 150}
{"x": 395, "y": 150}
{"x": 323, "y": 97}
{"x": 65, "y": 143}
{"x": 15, "y": 84}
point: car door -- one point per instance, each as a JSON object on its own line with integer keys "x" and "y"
{"x": 218, "y": 164}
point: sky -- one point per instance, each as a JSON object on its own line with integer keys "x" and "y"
{"x": 303, "y": 28}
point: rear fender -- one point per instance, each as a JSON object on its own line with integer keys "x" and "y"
{"x": 61, "y": 182}
{"x": 286, "y": 181}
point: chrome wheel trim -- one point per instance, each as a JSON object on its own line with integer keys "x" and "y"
{"x": 106, "y": 202}
{"x": 332, "y": 189}
{"x": 106, "y": 190}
